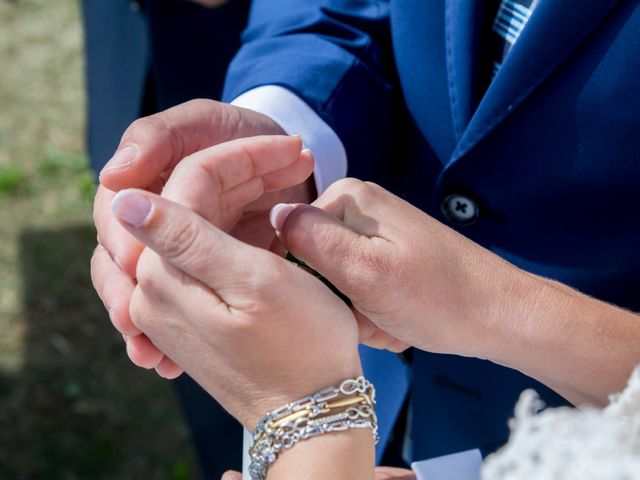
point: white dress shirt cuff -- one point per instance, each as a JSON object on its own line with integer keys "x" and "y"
{"x": 297, "y": 118}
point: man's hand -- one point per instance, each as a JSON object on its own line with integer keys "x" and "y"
{"x": 149, "y": 151}
{"x": 411, "y": 279}
{"x": 414, "y": 281}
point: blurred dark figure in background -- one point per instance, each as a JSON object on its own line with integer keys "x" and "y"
{"x": 143, "y": 57}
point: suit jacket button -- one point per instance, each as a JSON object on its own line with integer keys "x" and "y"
{"x": 460, "y": 209}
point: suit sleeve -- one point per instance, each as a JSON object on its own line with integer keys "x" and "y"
{"x": 333, "y": 54}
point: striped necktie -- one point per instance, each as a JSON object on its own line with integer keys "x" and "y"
{"x": 509, "y": 23}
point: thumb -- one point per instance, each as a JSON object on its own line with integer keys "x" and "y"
{"x": 186, "y": 240}
{"x": 323, "y": 241}
{"x": 231, "y": 476}
{"x": 220, "y": 181}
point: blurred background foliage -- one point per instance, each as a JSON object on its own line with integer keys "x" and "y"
{"x": 71, "y": 405}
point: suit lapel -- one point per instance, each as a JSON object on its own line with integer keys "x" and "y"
{"x": 555, "y": 29}
{"x": 465, "y": 39}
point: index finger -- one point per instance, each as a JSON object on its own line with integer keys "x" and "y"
{"x": 220, "y": 181}
{"x": 121, "y": 246}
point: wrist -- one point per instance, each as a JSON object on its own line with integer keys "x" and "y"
{"x": 497, "y": 308}
{"x": 518, "y": 319}
{"x": 261, "y": 403}
{"x": 350, "y": 405}
{"x": 348, "y": 455}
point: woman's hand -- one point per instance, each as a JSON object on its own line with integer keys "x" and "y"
{"x": 250, "y": 327}
{"x": 414, "y": 281}
{"x": 191, "y": 136}
{"x": 232, "y": 185}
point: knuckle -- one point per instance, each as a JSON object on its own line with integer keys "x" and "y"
{"x": 261, "y": 284}
{"x": 137, "y": 311}
{"x": 203, "y": 103}
{"x": 357, "y": 190}
{"x": 155, "y": 127}
{"x": 150, "y": 125}
{"x": 345, "y": 185}
{"x": 181, "y": 240}
{"x": 374, "y": 189}
{"x": 361, "y": 191}
{"x": 146, "y": 272}
{"x": 265, "y": 275}
{"x": 148, "y": 315}
{"x": 143, "y": 127}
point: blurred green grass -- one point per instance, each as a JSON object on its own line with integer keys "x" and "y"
{"x": 71, "y": 405}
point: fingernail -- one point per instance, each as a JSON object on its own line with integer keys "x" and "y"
{"x": 121, "y": 159}
{"x": 299, "y": 137}
{"x": 131, "y": 207}
{"x": 125, "y": 338}
{"x": 279, "y": 214}
{"x": 306, "y": 151}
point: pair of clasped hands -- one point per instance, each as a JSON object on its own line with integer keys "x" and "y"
{"x": 191, "y": 269}
{"x": 190, "y": 263}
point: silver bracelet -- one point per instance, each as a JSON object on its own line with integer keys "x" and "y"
{"x": 333, "y": 409}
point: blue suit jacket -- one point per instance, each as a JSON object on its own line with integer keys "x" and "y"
{"x": 551, "y": 154}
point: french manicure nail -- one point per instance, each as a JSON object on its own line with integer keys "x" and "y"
{"x": 299, "y": 137}
{"x": 279, "y": 214}
{"x": 121, "y": 159}
{"x": 131, "y": 207}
